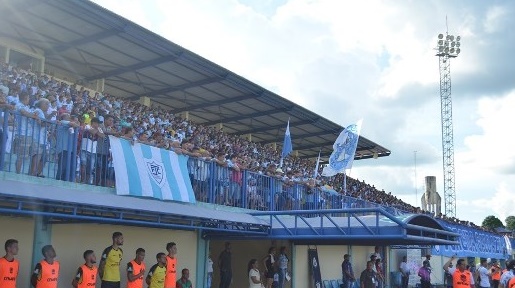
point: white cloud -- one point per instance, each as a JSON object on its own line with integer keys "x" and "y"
{"x": 374, "y": 60}
{"x": 493, "y": 18}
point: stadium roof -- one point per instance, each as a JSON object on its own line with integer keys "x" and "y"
{"x": 87, "y": 42}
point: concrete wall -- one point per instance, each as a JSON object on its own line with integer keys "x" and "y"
{"x": 70, "y": 241}
{"x": 21, "y": 229}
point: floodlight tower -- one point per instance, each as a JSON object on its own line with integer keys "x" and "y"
{"x": 448, "y": 48}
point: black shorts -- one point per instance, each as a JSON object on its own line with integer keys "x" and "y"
{"x": 109, "y": 284}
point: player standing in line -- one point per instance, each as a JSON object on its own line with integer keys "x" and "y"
{"x": 109, "y": 268}
{"x": 136, "y": 270}
{"x": 9, "y": 266}
{"x": 157, "y": 274}
{"x": 171, "y": 264}
{"x": 86, "y": 276}
{"x": 46, "y": 273}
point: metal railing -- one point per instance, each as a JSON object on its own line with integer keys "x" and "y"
{"x": 60, "y": 151}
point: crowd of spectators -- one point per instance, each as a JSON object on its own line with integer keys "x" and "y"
{"x": 97, "y": 115}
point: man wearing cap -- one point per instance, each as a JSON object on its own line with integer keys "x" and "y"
{"x": 347, "y": 272}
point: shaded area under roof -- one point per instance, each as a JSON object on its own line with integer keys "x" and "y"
{"x": 87, "y": 42}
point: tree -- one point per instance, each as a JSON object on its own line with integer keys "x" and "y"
{"x": 510, "y": 223}
{"x": 491, "y": 222}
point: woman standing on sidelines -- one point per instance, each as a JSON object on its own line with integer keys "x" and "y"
{"x": 269, "y": 263}
{"x": 283, "y": 266}
{"x": 254, "y": 275}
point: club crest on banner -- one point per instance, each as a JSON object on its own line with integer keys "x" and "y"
{"x": 156, "y": 171}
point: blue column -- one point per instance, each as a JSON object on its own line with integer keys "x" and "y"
{"x": 202, "y": 253}
{"x": 42, "y": 237}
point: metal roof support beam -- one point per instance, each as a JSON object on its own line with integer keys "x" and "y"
{"x": 301, "y": 136}
{"x": 95, "y": 37}
{"x": 268, "y": 128}
{"x": 215, "y": 103}
{"x": 183, "y": 86}
{"x": 247, "y": 116}
{"x": 132, "y": 68}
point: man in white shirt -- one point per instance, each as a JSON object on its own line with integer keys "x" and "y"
{"x": 403, "y": 267}
{"x": 483, "y": 273}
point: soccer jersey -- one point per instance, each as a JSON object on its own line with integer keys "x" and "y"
{"x": 134, "y": 268}
{"x": 157, "y": 276}
{"x": 86, "y": 276}
{"x": 171, "y": 272}
{"x": 112, "y": 258}
{"x": 8, "y": 272}
{"x": 47, "y": 274}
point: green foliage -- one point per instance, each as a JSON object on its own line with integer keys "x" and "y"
{"x": 491, "y": 222}
{"x": 510, "y": 223}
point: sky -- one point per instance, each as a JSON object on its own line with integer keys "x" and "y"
{"x": 374, "y": 60}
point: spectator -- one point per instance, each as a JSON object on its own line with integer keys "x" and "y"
{"x": 405, "y": 272}
{"x": 65, "y": 148}
{"x": 184, "y": 281}
{"x": 347, "y": 272}
{"x": 368, "y": 277}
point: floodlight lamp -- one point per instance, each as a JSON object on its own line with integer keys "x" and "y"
{"x": 458, "y": 38}
{"x": 451, "y": 37}
{"x": 440, "y": 36}
{"x": 446, "y": 44}
{"x": 447, "y": 37}
{"x": 458, "y": 51}
{"x": 458, "y": 44}
{"x": 440, "y": 42}
{"x": 453, "y": 44}
{"x": 440, "y": 49}
{"x": 452, "y": 50}
{"x": 446, "y": 50}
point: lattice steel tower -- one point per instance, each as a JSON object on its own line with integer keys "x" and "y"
{"x": 448, "y": 47}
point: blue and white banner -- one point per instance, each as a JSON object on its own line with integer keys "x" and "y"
{"x": 344, "y": 149}
{"x": 146, "y": 171}
{"x": 287, "y": 147}
{"x": 473, "y": 243}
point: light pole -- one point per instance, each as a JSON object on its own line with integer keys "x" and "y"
{"x": 448, "y": 47}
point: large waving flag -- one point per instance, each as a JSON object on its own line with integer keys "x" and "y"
{"x": 143, "y": 170}
{"x": 344, "y": 149}
{"x": 287, "y": 147}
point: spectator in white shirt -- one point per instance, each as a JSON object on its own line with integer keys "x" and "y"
{"x": 483, "y": 273}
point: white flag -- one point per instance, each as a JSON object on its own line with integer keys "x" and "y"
{"x": 344, "y": 149}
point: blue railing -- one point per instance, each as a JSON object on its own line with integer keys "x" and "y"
{"x": 61, "y": 151}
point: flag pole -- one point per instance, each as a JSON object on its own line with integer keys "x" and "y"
{"x": 345, "y": 181}
{"x": 318, "y": 164}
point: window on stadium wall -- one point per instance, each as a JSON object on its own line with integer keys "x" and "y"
{"x": 474, "y": 242}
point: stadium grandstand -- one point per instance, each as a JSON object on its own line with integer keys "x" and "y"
{"x": 87, "y": 96}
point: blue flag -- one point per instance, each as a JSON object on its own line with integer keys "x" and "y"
{"x": 344, "y": 150}
{"x": 287, "y": 147}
